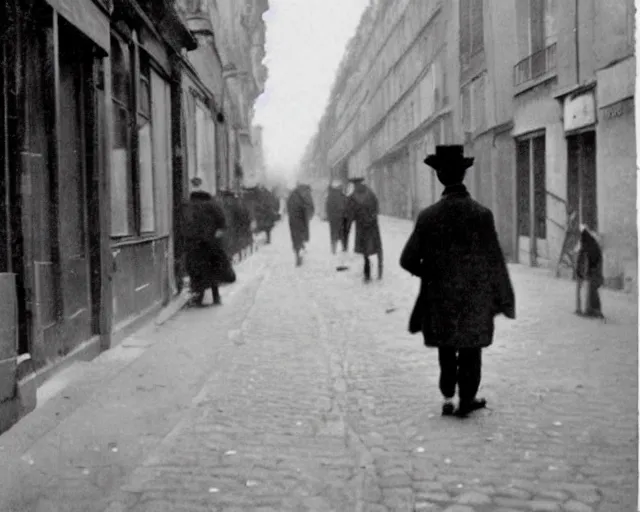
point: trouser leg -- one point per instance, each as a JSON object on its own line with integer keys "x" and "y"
{"x": 469, "y": 373}
{"x": 367, "y": 268}
{"x": 197, "y": 289}
{"x": 448, "y": 359}
{"x": 380, "y": 264}
{"x": 215, "y": 291}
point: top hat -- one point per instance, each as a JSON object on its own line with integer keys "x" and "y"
{"x": 356, "y": 180}
{"x": 448, "y": 156}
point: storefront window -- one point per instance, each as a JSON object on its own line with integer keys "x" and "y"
{"x": 146, "y": 183}
{"x": 122, "y": 220}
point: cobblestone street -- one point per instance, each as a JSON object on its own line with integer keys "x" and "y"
{"x": 305, "y": 392}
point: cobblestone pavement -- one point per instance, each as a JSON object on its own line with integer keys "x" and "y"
{"x": 305, "y": 392}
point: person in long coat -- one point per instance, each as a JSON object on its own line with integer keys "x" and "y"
{"x": 362, "y": 208}
{"x": 589, "y": 268}
{"x": 300, "y": 209}
{"x": 204, "y": 225}
{"x": 233, "y": 234}
{"x": 465, "y": 283}
{"x": 335, "y": 206}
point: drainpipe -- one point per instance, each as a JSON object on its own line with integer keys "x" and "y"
{"x": 577, "y": 37}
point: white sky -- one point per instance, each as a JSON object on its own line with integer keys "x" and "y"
{"x": 305, "y": 41}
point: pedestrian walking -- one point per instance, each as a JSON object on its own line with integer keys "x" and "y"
{"x": 207, "y": 262}
{"x": 300, "y": 209}
{"x": 589, "y": 269}
{"x": 362, "y": 208}
{"x": 263, "y": 210}
{"x": 455, "y": 251}
{"x": 335, "y": 206}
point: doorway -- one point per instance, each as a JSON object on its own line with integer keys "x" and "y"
{"x": 582, "y": 194}
{"x": 63, "y": 220}
{"x": 531, "y": 194}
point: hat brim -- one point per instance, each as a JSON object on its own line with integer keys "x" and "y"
{"x": 437, "y": 163}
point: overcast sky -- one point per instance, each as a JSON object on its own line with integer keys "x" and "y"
{"x": 305, "y": 41}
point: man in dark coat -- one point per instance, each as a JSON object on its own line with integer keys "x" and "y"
{"x": 263, "y": 209}
{"x": 300, "y": 209}
{"x": 465, "y": 283}
{"x": 589, "y": 269}
{"x": 335, "y": 206}
{"x": 233, "y": 233}
{"x": 362, "y": 208}
{"x": 204, "y": 225}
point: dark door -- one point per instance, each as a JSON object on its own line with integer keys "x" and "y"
{"x": 581, "y": 178}
{"x": 74, "y": 321}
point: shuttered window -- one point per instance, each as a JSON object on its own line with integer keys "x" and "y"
{"x": 471, "y": 28}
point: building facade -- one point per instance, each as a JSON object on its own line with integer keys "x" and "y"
{"x": 242, "y": 39}
{"x": 540, "y": 92}
{"x": 574, "y": 130}
{"x": 108, "y": 108}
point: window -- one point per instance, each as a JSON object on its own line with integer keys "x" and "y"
{"x": 473, "y": 105}
{"x": 134, "y": 191}
{"x": 145, "y": 155}
{"x": 537, "y": 24}
{"x": 531, "y": 184}
{"x": 122, "y": 220}
{"x": 471, "y": 29}
{"x": 478, "y": 104}
{"x": 467, "y": 124}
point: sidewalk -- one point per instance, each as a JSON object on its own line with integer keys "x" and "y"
{"x": 304, "y": 392}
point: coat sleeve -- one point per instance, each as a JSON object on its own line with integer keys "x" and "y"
{"x": 505, "y": 301}
{"x": 411, "y": 257}
{"x": 375, "y": 204}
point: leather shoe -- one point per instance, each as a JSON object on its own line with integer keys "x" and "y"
{"x": 464, "y": 409}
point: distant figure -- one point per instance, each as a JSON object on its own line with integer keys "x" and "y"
{"x": 455, "y": 251}
{"x": 263, "y": 208}
{"x": 589, "y": 269}
{"x": 362, "y": 208}
{"x": 207, "y": 262}
{"x": 300, "y": 209}
{"x": 335, "y": 206}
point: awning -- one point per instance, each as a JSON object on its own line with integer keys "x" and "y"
{"x": 85, "y": 15}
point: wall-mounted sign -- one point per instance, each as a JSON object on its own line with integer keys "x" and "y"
{"x": 579, "y": 111}
{"x": 618, "y": 109}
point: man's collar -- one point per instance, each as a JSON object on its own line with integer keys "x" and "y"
{"x": 455, "y": 190}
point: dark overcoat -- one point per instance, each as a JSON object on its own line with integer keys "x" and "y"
{"x": 465, "y": 282}
{"x": 362, "y": 208}
{"x": 204, "y": 252}
{"x": 589, "y": 261}
{"x": 335, "y": 206}
{"x": 233, "y": 233}
{"x": 263, "y": 208}
{"x": 300, "y": 209}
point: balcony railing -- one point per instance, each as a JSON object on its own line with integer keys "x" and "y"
{"x": 535, "y": 65}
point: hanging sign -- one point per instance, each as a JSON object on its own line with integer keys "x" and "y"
{"x": 579, "y": 112}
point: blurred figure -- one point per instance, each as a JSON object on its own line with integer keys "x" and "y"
{"x": 233, "y": 233}
{"x": 362, "y": 208}
{"x": 263, "y": 208}
{"x": 335, "y": 206}
{"x": 589, "y": 269}
{"x": 207, "y": 263}
{"x": 300, "y": 209}
{"x": 455, "y": 251}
